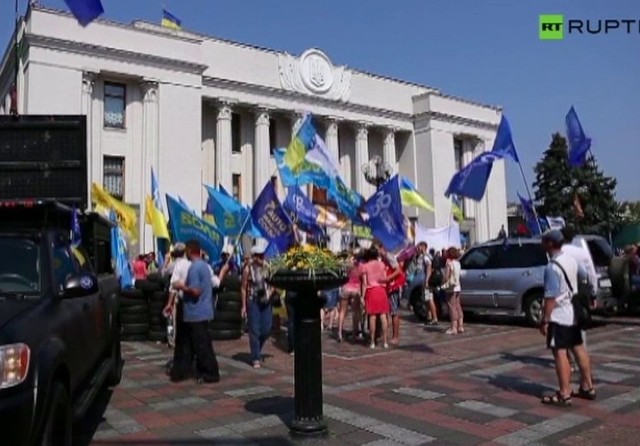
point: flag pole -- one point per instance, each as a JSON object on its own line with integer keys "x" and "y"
{"x": 533, "y": 205}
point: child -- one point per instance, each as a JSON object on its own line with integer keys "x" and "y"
{"x": 331, "y": 307}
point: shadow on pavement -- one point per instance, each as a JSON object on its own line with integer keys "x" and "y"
{"x": 528, "y": 360}
{"x": 418, "y": 348}
{"x": 86, "y": 428}
{"x": 519, "y": 384}
{"x": 280, "y": 406}
{"x": 190, "y": 442}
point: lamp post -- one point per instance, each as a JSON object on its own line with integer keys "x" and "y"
{"x": 377, "y": 171}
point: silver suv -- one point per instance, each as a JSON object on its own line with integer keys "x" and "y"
{"x": 507, "y": 277}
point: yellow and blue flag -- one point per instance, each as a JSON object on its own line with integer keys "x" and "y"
{"x": 411, "y": 197}
{"x": 456, "y": 208}
{"x": 119, "y": 254}
{"x": 170, "y": 21}
{"x": 126, "y": 216}
{"x": 307, "y": 151}
{"x": 153, "y": 211}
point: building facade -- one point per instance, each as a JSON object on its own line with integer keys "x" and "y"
{"x": 203, "y": 110}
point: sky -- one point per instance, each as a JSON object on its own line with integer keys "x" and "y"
{"x": 483, "y": 50}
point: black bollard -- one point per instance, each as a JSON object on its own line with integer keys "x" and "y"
{"x": 309, "y": 418}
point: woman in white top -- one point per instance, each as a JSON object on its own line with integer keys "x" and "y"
{"x": 453, "y": 288}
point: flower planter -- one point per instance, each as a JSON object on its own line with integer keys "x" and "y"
{"x": 309, "y": 418}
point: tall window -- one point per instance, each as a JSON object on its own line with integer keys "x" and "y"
{"x": 115, "y": 104}
{"x": 273, "y": 136}
{"x": 458, "y": 151}
{"x": 236, "y": 186}
{"x": 274, "y": 182}
{"x": 113, "y": 176}
{"x": 236, "y": 132}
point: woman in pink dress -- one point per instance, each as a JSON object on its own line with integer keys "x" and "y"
{"x": 351, "y": 298}
{"x": 373, "y": 274}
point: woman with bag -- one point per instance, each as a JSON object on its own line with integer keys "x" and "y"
{"x": 453, "y": 289}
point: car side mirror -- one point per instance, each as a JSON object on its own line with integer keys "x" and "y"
{"x": 80, "y": 286}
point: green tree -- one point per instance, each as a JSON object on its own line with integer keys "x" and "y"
{"x": 584, "y": 196}
{"x": 629, "y": 212}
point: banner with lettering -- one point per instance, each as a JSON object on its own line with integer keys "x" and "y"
{"x": 272, "y": 220}
{"x": 185, "y": 226}
{"x": 302, "y": 211}
{"x": 385, "y": 215}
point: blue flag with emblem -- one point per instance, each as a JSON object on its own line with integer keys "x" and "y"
{"x": 579, "y": 144}
{"x": 76, "y": 234}
{"x": 119, "y": 253}
{"x": 386, "y": 221}
{"x": 272, "y": 220}
{"x": 187, "y": 226}
{"x": 302, "y": 211}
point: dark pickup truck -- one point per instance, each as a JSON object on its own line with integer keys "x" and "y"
{"x": 59, "y": 320}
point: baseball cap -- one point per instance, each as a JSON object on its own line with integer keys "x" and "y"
{"x": 179, "y": 247}
{"x": 260, "y": 247}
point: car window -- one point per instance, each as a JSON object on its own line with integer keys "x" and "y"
{"x": 600, "y": 252}
{"x": 19, "y": 265}
{"x": 64, "y": 265}
{"x": 482, "y": 257}
{"x": 526, "y": 255}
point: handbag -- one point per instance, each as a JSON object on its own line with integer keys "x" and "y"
{"x": 579, "y": 302}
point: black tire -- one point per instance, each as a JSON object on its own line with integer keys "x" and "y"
{"x": 532, "y": 307}
{"x": 228, "y": 316}
{"x": 417, "y": 304}
{"x": 134, "y": 319}
{"x": 229, "y": 296}
{"x": 134, "y": 337}
{"x": 58, "y": 426}
{"x": 115, "y": 372}
{"x": 217, "y": 325}
{"x": 147, "y": 286}
{"x": 225, "y": 335}
{"x": 132, "y": 294}
{"x": 229, "y": 306}
{"x": 156, "y": 278}
{"x": 231, "y": 283}
{"x": 128, "y": 329}
{"x": 157, "y": 336}
{"x": 159, "y": 296}
{"x": 619, "y": 275}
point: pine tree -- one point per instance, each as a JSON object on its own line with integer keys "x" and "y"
{"x": 558, "y": 187}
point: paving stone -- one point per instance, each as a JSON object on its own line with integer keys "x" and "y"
{"x": 622, "y": 366}
{"x": 249, "y": 391}
{"x": 619, "y": 401}
{"x": 490, "y": 409}
{"x": 418, "y": 393}
{"x": 541, "y": 430}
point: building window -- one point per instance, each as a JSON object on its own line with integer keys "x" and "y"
{"x": 273, "y": 136}
{"x": 113, "y": 176}
{"x": 115, "y": 104}
{"x": 236, "y": 186}
{"x": 458, "y": 152}
{"x": 274, "y": 182}
{"x": 236, "y": 132}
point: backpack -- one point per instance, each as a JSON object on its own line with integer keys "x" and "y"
{"x": 411, "y": 268}
{"x": 436, "y": 279}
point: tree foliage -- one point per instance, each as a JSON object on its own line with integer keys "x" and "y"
{"x": 629, "y": 212}
{"x": 559, "y": 188}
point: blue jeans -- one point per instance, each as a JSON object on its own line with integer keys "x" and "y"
{"x": 260, "y": 318}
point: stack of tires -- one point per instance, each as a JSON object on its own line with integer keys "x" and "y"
{"x": 227, "y": 324}
{"x": 155, "y": 292}
{"x": 134, "y": 315}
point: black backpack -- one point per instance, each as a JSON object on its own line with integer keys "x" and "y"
{"x": 436, "y": 278}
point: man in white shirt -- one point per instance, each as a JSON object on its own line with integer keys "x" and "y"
{"x": 561, "y": 279}
{"x": 583, "y": 257}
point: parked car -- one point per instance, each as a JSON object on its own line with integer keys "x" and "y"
{"x": 507, "y": 277}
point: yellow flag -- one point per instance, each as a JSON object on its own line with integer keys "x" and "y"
{"x": 295, "y": 154}
{"x": 156, "y": 219}
{"x": 127, "y": 218}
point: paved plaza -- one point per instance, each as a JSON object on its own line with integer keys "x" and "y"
{"x": 479, "y": 388}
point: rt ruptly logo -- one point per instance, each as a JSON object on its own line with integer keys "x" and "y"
{"x": 551, "y": 27}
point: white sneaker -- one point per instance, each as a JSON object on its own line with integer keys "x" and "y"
{"x": 385, "y": 345}
{"x": 372, "y": 346}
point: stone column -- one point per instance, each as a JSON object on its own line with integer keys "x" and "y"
{"x": 361, "y": 158}
{"x": 389, "y": 148}
{"x": 150, "y": 155}
{"x": 333, "y": 146}
{"x": 261, "y": 165}
{"x": 94, "y": 157}
{"x": 223, "y": 146}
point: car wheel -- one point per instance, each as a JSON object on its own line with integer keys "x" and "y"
{"x": 58, "y": 424}
{"x": 225, "y": 335}
{"x": 417, "y": 304}
{"x": 533, "y": 308}
{"x": 115, "y": 372}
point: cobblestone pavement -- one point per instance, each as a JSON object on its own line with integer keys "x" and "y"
{"x": 479, "y": 388}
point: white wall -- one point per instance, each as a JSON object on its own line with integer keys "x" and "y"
{"x": 53, "y": 90}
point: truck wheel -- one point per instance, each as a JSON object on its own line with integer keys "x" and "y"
{"x": 533, "y": 308}
{"x": 115, "y": 372}
{"x": 57, "y": 428}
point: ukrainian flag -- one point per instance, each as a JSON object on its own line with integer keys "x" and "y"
{"x": 170, "y": 21}
{"x": 456, "y": 208}
{"x": 411, "y": 197}
{"x": 155, "y": 218}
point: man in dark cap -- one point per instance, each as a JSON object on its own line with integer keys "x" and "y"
{"x": 561, "y": 278}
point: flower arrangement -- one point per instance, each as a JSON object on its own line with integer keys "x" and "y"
{"x": 308, "y": 258}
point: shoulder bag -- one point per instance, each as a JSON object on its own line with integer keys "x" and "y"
{"x": 580, "y": 303}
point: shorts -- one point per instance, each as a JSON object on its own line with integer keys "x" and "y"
{"x": 561, "y": 337}
{"x": 394, "y": 301}
{"x": 427, "y": 294}
{"x": 332, "y": 299}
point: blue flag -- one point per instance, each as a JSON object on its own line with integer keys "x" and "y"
{"x": 119, "y": 254}
{"x": 503, "y": 145}
{"x": 85, "y": 11}
{"x": 76, "y": 234}
{"x": 529, "y": 215}
{"x": 312, "y": 175}
{"x": 471, "y": 180}
{"x": 385, "y": 215}
{"x": 271, "y": 219}
{"x": 249, "y": 228}
{"x": 271, "y": 252}
{"x": 348, "y": 201}
{"x": 187, "y": 226}
{"x": 579, "y": 144}
{"x": 302, "y": 211}
{"x": 229, "y": 214}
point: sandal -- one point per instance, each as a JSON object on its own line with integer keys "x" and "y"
{"x": 585, "y": 394}
{"x": 556, "y": 400}
{"x": 451, "y": 331}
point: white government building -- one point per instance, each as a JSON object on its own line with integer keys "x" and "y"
{"x": 200, "y": 109}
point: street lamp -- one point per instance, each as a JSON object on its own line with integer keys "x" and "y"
{"x": 377, "y": 171}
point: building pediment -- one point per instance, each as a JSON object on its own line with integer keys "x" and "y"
{"x": 314, "y": 74}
